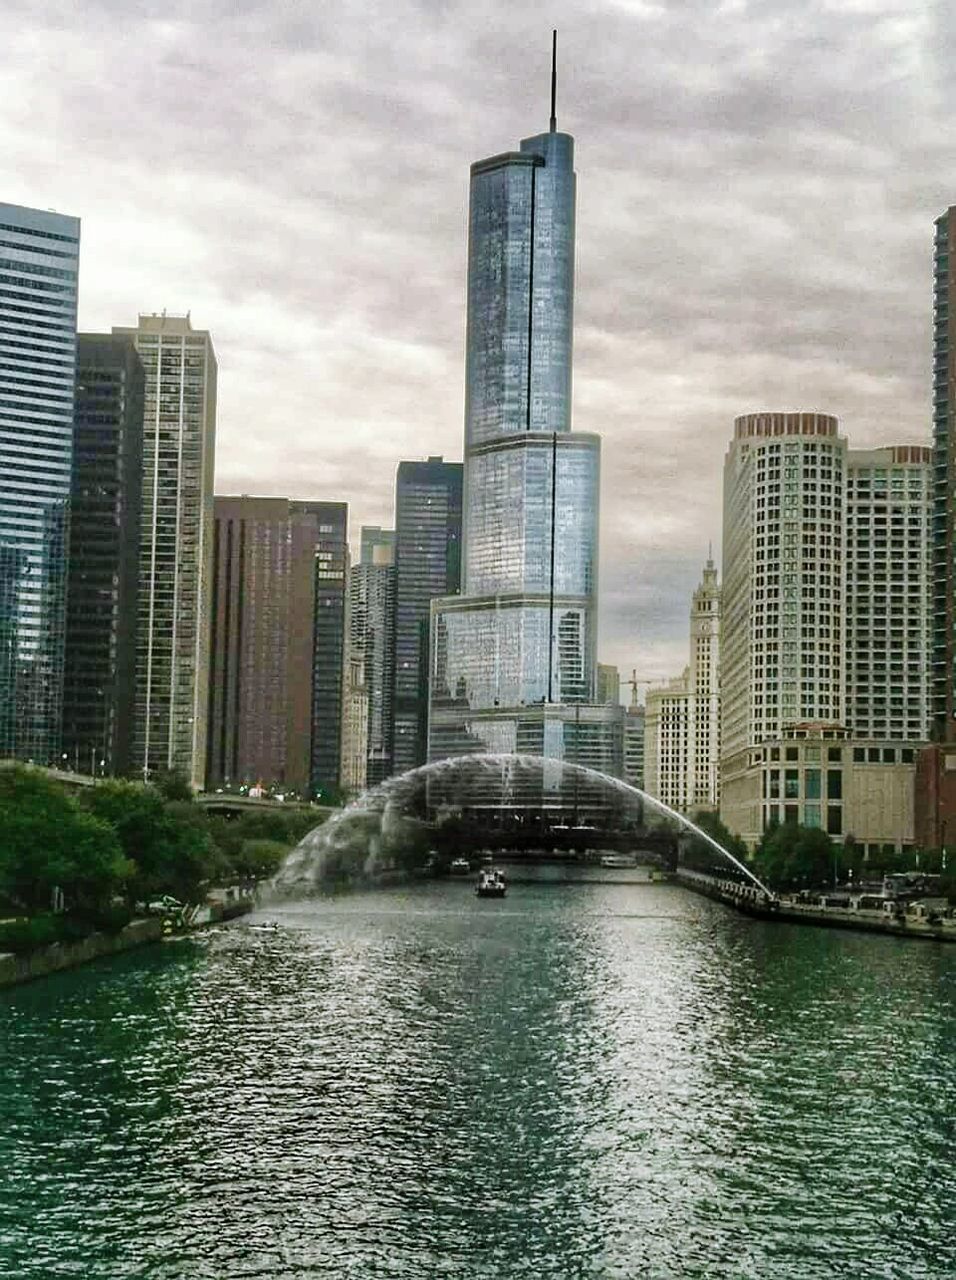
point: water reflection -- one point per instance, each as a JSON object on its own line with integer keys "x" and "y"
{"x": 580, "y": 1081}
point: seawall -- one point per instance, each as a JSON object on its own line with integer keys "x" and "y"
{"x": 749, "y": 901}
{"x": 70, "y": 955}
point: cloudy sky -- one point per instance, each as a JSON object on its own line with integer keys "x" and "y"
{"x": 757, "y": 184}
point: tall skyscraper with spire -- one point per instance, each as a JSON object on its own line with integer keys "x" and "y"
{"x": 513, "y": 657}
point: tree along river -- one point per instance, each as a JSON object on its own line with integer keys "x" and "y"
{"x": 580, "y": 1080}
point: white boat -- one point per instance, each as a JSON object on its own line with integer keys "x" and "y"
{"x": 491, "y": 883}
{"x": 618, "y": 860}
{"x": 459, "y": 867}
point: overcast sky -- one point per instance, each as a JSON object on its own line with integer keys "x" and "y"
{"x": 757, "y": 184}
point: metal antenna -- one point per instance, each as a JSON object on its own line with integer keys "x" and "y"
{"x": 554, "y": 79}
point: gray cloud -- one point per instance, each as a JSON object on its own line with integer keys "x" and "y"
{"x": 757, "y": 186}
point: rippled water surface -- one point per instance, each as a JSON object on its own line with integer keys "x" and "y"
{"x": 582, "y": 1080}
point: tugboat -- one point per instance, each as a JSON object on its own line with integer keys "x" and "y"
{"x": 491, "y": 883}
{"x": 459, "y": 867}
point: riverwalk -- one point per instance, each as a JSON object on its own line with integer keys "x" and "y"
{"x": 912, "y": 921}
{"x": 58, "y": 956}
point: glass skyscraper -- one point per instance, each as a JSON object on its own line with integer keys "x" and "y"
{"x": 39, "y": 263}
{"x": 428, "y": 497}
{"x": 105, "y": 534}
{"x": 513, "y": 657}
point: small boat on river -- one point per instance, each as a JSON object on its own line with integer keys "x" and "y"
{"x": 491, "y": 883}
{"x": 459, "y": 867}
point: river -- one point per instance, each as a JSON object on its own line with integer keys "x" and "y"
{"x": 581, "y": 1080}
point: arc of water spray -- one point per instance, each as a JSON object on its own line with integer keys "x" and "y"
{"x": 385, "y": 791}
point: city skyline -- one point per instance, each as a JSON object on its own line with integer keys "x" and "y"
{"x": 690, "y": 129}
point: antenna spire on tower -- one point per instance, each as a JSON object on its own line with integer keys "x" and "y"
{"x": 554, "y": 79}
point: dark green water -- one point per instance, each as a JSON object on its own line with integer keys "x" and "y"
{"x": 577, "y": 1081}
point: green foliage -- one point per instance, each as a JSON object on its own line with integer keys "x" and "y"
{"x": 172, "y": 784}
{"x": 168, "y": 842}
{"x": 48, "y": 842}
{"x": 259, "y": 859}
{"x": 796, "y": 857}
{"x": 701, "y": 856}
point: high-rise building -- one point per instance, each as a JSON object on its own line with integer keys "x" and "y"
{"x": 888, "y": 507}
{"x": 354, "y": 767}
{"x": 428, "y": 497}
{"x": 608, "y": 684}
{"x": 943, "y": 530}
{"x": 278, "y": 568}
{"x": 329, "y": 650}
{"x": 682, "y": 725}
{"x": 176, "y": 548}
{"x": 371, "y": 638}
{"x": 666, "y": 743}
{"x": 823, "y": 631}
{"x": 104, "y": 555}
{"x": 783, "y": 620}
{"x": 514, "y": 656}
{"x": 39, "y": 264}
{"x": 634, "y": 722}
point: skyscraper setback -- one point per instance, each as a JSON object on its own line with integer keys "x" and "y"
{"x": 39, "y": 263}
{"x": 514, "y": 656}
{"x": 176, "y": 547}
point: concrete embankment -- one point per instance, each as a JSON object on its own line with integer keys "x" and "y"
{"x": 138, "y": 933}
{"x": 750, "y": 901}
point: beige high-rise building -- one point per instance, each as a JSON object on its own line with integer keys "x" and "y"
{"x": 889, "y": 503}
{"x": 825, "y": 630}
{"x": 173, "y": 625}
{"x": 682, "y": 717}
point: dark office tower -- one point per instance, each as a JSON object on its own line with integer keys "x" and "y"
{"x": 371, "y": 638}
{"x": 39, "y": 260}
{"x": 943, "y": 531}
{"x": 328, "y": 660}
{"x": 277, "y": 632}
{"x": 427, "y": 565}
{"x": 104, "y": 555}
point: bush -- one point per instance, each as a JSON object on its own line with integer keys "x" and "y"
{"x": 259, "y": 859}
{"x": 48, "y": 842}
{"x": 27, "y": 934}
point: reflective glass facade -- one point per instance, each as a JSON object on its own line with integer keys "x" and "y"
{"x": 519, "y": 493}
{"x": 427, "y": 564}
{"x": 39, "y": 262}
{"x": 521, "y": 290}
{"x": 104, "y": 555}
{"x": 513, "y": 658}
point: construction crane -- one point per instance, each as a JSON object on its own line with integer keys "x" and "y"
{"x": 634, "y": 684}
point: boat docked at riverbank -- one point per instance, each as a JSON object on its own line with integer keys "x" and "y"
{"x": 491, "y": 883}
{"x": 459, "y": 867}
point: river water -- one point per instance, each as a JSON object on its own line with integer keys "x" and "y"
{"x": 581, "y": 1080}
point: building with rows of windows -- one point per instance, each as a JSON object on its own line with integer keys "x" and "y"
{"x": 39, "y": 264}
{"x": 682, "y": 717}
{"x": 825, "y": 633}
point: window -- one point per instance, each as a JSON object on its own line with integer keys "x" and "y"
{"x": 791, "y": 784}
{"x": 811, "y": 784}
{"x": 834, "y": 784}
{"x": 834, "y": 820}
